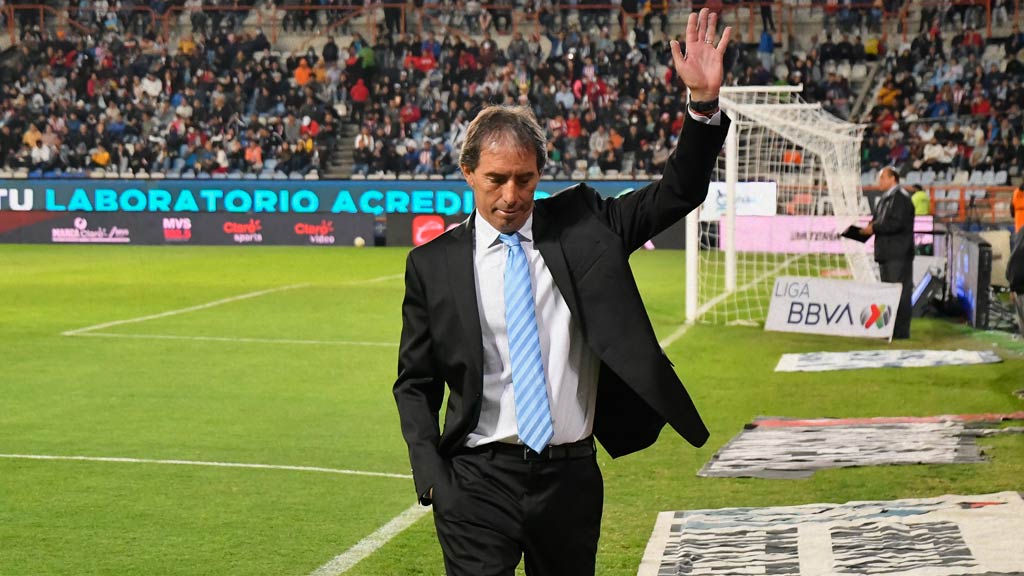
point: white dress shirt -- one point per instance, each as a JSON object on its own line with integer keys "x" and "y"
{"x": 570, "y": 367}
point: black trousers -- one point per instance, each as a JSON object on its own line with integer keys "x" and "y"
{"x": 499, "y": 507}
{"x": 902, "y": 272}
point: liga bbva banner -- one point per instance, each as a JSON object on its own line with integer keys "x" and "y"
{"x": 833, "y": 307}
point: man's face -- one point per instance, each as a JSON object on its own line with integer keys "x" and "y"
{"x": 503, "y": 185}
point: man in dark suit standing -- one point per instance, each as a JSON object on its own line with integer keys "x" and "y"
{"x": 893, "y": 227}
{"x": 530, "y": 314}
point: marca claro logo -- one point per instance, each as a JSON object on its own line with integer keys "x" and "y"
{"x": 245, "y": 232}
{"x": 83, "y": 234}
{"x": 426, "y": 228}
{"x": 322, "y": 233}
{"x": 177, "y": 229}
{"x": 877, "y": 315}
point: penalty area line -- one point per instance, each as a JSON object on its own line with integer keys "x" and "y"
{"x": 239, "y": 340}
{"x": 117, "y": 460}
{"x": 222, "y": 301}
{"x": 349, "y": 558}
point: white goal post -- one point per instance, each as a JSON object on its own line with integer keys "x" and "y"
{"x": 787, "y": 184}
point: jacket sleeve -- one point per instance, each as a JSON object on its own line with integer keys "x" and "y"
{"x": 639, "y": 216}
{"x": 419, "y": 389}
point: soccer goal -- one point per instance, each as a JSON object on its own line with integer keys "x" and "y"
{"x": 787, "y": 185}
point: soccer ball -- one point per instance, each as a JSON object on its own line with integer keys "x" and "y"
{"x": 359, "y": 242}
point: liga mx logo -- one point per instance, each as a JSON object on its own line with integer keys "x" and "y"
{"x": 877, "y": 315}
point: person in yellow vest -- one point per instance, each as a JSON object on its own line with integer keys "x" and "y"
{"x": 922, "y": 201}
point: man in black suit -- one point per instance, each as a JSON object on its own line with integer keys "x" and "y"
{"x": 530, "y": 314}
{"x": 893, "y": 227}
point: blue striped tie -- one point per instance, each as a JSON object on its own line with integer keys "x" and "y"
{"x": 533, "y": 415}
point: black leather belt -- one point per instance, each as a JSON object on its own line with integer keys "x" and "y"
{"x": 581, "y": 449}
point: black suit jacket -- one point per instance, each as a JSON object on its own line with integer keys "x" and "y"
{"x": 894, "y": 228}
{"x": 586, "y": 241}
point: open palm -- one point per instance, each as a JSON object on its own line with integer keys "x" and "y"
{"x": 701, "y": 67}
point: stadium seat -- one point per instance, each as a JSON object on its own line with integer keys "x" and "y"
{"x": 928, "y": 177}
{"x": 295, "y": 175}
{"x": 405, "y": 176}
{"x": 989, "y": 178}
{"x": 142, "y": 175}
{"x": 35, "y": 174}
{"x": 977, "y": 177}
{"x": 312, "y": 175}
{"x": 97, "y": 174}
{"x": 858, "y": 72}
{"x": 270, "y": 164}
{"x": 1002, "y": 177}
{"x": 5, "y": 173}
{"x": 235, "y": 174}
{"x": 358, "y": 176}
{"x": 419, "y": 176}
{"x": 436, "y": 177}
{"x": 453, "y": 176}
{"x": 962, "y": 177}
{"x": 249, "y": 176}
{"x": 220, "y": 176}
{"x": 174, "y": 173}
{"x": 266, "y": 175}
{"x": 188, "y": 174}
{"x": 280, "y": 175}
{"x": 157, "y": 176}
{"x": 912, "y": 177}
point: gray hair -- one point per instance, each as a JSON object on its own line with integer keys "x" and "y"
{"x": 512, "y": 125}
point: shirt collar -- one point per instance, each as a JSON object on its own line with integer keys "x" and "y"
{"x": 487, "y": 235}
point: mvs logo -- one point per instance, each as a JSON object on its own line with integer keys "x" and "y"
{"x": 877, "y": 315}
{"x": 322, "y": 233}
{"x": 177, "y": 229}
{"x": 245, "y": 232}
{"x": 426, "y": 228}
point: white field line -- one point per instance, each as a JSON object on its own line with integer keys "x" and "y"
{"x": 205, "y": 306}
{"x": 374, "y": 280}
{"x": 671, "y": 338}
{"x": 349, "y": 558}
{"x": 718, "y": 299}
{"x": 683, "y": 328}
{"x": 241, "y": 340}
{"x": 86, "y": 330}
{"x": 204, "y": 463}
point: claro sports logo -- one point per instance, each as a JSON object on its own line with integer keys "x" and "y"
{"x": 877, "y": 315}
{"x": 245, "y": 232}
{"x": 322, "y": 233}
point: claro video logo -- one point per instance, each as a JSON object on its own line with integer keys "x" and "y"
{"x": 245, "y": 232}
{"x": 426, "y": 228}
{"x": 177, "y": 229}
{"x": 82, "y": 234}
{"x": 321, "y": 234}
{"x": 877, "y": 315}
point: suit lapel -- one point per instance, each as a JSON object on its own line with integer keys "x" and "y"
{"x": 549, "y": 244}
{"x": 462, "y": 283}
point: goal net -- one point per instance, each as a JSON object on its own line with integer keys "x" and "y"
{"x": 787, "y": 185}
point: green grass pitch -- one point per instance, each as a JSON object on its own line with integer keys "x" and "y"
{"x": 302, "y": 377}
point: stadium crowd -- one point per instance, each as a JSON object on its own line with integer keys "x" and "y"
{"x": 950, "y": 105}
{"x": 222, "y": 101}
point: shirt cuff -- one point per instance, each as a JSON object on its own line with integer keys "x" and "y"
{"x": 714, "y": 120}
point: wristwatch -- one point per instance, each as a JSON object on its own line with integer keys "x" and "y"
{"x": 704, "y": 107}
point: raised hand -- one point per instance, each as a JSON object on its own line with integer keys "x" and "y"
{"x": 701, "y": 67}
